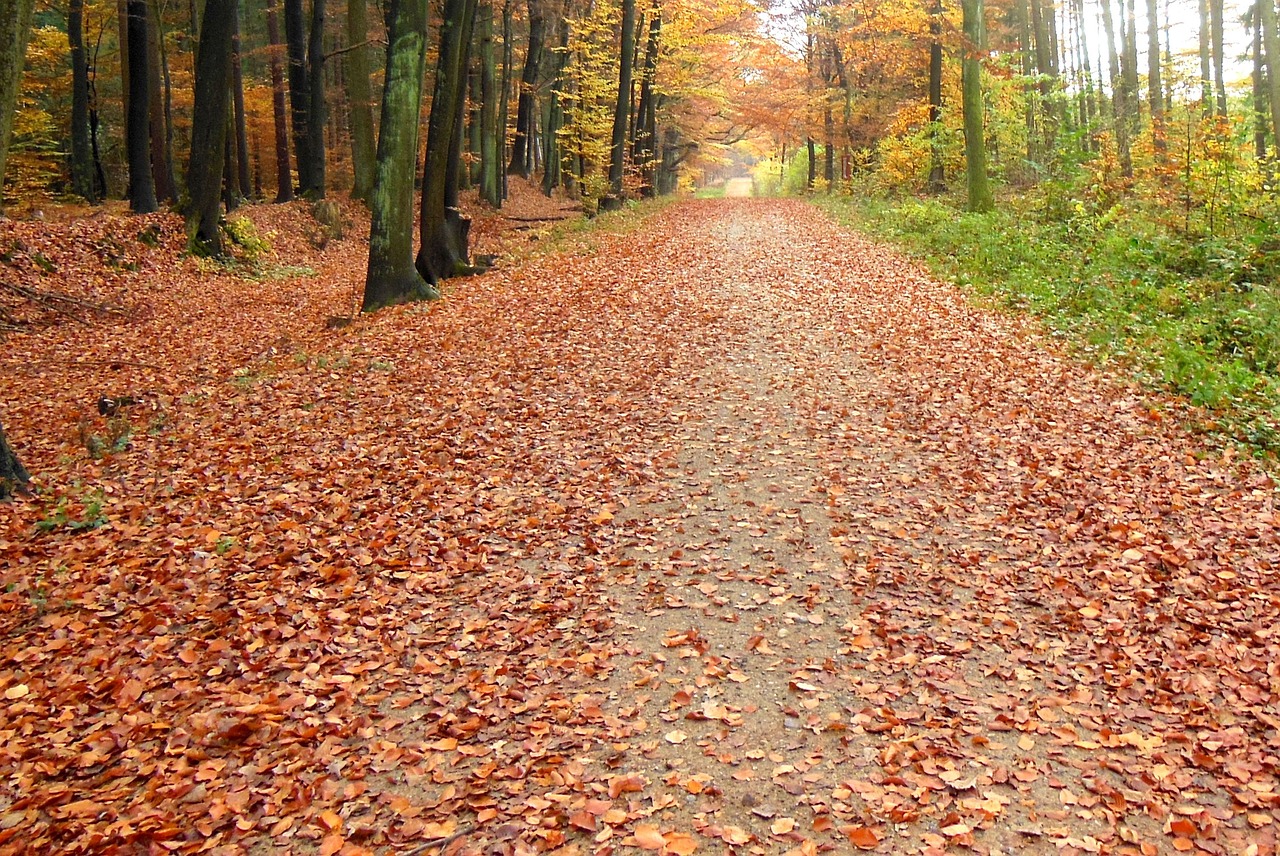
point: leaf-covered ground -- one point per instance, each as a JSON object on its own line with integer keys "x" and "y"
{"x": 729, "y": 533}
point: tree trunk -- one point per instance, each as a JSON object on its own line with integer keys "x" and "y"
{"x": 505, "y": 104}
{"x": 975, "y": 144}
{"x": 522, "y": 146}
{"x": 490, "y": 145}
{"x": 646, "y": 112}
{"x": 209, "y": 125}
{"x": 1206, "y": 67}
{"x": 316, "y": 88}
{"x": 13, "y": 476}
{"x": 15, "y": 28}
{"x": 362, "y": 144}
{"x": 142, "y": 190}
{"x": 392, "y": 277}
{"x": 299, "y": 92}
{"x": 1219, "y": 83}
{"x": 937, "y": 172}
{"x": 1271, "y": 39}
{"x": 443, "y": 229}
{"x": 237, "y": 100}
{"x": 162, "y": 177}
{"x": 1155, "y": 91}
{"x": 622, "y": 108}
{"x": 551, "y": 154}
{"x": 1119, "y": 92}
{"x": 284, "y": 177}
{"x": 1259, "y": 90}
{"x": 82, "y": 178}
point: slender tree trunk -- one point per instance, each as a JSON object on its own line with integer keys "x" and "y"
{"x": 392, "y": 277}
{"x": 299, "y": 92}
{"x": 975, "y": 144}
{"x": 142, "y": 191}
{"x": 551, "y": 157}
{"x": 526, "y": 107}
{"x": 209, "y": 125}
{"x": 622, "y": 109}
{"x": 15, "y": 28}
{"x": 1119, "y": 92}
{"x": 1259, "y": 89}
{"x": 1155, "y": 90}
{"x": 316, "y": 88}
{"x": 937, "y": 172}
{"x": 1206, "y": 66}
{"x": 1271, "y": 40}
{"x": 443, "y": 229}
{"x": 163, "y": 76}
{"x": 505, "y": 104}
{"x": 237, "y": 100}
{"x": 1219, "y": 82}
{"x": 362, "y": 144}
{"x": 646, "y": 112}
{"x": 162, "y": 177}
{"x": 490, "y": 144}
{"x": 232, "y": 192}
{"x": 284, "y": 177}
{"x": 811, "y": 149}
{"x": 82, "y": 180}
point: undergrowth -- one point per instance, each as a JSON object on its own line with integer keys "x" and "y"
{"x": 1185, "y": 310}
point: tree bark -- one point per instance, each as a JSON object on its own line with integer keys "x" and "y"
{"x": 526, "y": 106}
{"x": 1155, "y": 90}
{"x": 937, "y": 172}
{"x": 622, "y": 108}
{"x": 975, "y": 144}
{"x": 13, "y": 476}
{"x": 490, "y": 145}
{"x": 83, "y": 183}
{"x": 1219, "y": 83}
{"x": 237, "y": 101}
{"x": 1119, "y": 92}
{"x": 142, "y": 190}
{"x": 299, "y": 93}
{"x": 442, "y": 228}
{"x": 316, "y": 88}
{"x": 209, "y": 125}
{"x": 551, "y": 154}
{"x": 1271, "y": 39}
{"x": 162, "y": 177}
{"x": 505, "y": 104}
{"x": 391, "y": 276}
{"x": 363, "y": 155}
{"x": 15, "y": 28}
{"x": 1259, "y": 89}
{"x": 646, "y": 111}
{"x": 284, "y": 176}
{"x": 1206, "y": 65}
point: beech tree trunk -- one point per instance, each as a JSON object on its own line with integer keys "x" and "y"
{"x": 443, "y": 230}
{"x": 622, "y": 108}
{"x": 392, "y": 277}
{"x": 551, "y": 153}
{"x": 1155, "y": 90}
{"x": 363, "y": 155}
{"x": 284, "y": 172}
{"x": 142, "y": 190}
{"x": 83, "y": 183}
{"x": 237, "y": 101}
{"x": 13, "y": 476}
{"x": 1219, "y": 82}
{"x": 490, "y": 145}
{"x": 209, "y": 125}
{"x": 975, "y": 144}
{"x": 299, "y": 93}
{"x": 162, "y": 177}
{"x": 1206, "y": 66}
{"x": 937, "y": 172}
{"x": 1119, "y": 92}
{"x": 526, "y": 105}
{"x": 15, "y": 28}
{"x": 505, "y": 104}
{"x": 646, "y": 112}
{"x": 1271, "y": 39}
{"x": 316, "y": 88}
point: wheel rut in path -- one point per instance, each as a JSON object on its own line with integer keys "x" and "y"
{"x": 886, "y": 595}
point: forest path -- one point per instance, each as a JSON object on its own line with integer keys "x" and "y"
{"x": 721, "y": 529}
{"x": 912, "y": 582}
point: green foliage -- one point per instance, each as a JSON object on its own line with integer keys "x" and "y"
{"x": 1195, "y": 313}
{"x": 251, "y": 247}
{"x": 75, "y": 513}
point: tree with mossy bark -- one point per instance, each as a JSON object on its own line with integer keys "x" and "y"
{"x": 443, "y": 230}
{"x": 391, "y": 276}
{"x": 13, "y": 476}
{"x": 209, "y": 126}
{"x": 975, "y": 144}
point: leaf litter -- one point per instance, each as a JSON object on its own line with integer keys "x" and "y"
{"x": 731, "y": 533}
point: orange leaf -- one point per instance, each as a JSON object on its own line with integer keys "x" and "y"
{"x": 648, "y": 837}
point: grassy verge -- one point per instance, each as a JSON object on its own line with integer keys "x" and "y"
{"x": 1199, "y": 316}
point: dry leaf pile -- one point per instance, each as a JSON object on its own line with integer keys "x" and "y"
{"x": 731, "y": 534}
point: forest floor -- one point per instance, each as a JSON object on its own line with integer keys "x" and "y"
{"x": 720, "y": 530}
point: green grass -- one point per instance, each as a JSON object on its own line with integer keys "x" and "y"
{"x": 1199, "y": 316}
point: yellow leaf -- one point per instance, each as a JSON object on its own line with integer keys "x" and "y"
{"x": 16, "y": 691}
{"x": 782, "y": 826}
{"x": 676, "y": 736}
